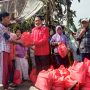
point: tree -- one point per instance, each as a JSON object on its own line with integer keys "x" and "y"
{"x": 56, "y": 14}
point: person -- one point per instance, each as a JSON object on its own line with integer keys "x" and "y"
{"x": 40, "y": 36}
{"x": 56, "y": 39}
{"x": 4, "y": 48}
{"x": 84, "y": 39}
{"x": 12, "y": 59}
{"x": 32, "y": 56}
{"x": 70, "y": 43}
{"x": 21, "y": 62}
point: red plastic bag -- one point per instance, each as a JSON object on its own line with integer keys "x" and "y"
{"x": 17, "y": 79}
{"x": 87, "y": 62}
{"x": 62, "y": 49}
{"x": 26, "y": 38}
{"x": 57, "y": 80}
{"x": 33, "y": 75}
{"x": 78, "y": 72}
{"x": 87, "y": 82}
{"x": 43, "y": 81}
{"x": 86, "y": 85}
{"x": 63, "y": 71}
{"x": 69, "y": 83}
{"x": 51, "y": 68}
{"x": 88, "y": 71}
{"x": 58, "y": 83}
{"x": 57, "y": 88}
{"x": 85, "y": 88}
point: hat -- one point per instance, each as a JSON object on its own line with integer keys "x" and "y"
{"x": 84, "y": 20}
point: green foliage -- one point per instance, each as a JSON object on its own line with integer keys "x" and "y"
{"x": 24, "y": 26}
{"x": 14, "y": 27}
{"x": 47, "y": 11}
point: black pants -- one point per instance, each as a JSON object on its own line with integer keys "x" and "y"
{"x": 85, "y": 55}
{"x": 42, "y": 62}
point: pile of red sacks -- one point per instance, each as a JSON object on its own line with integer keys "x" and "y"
{"x": 63, "y": 78}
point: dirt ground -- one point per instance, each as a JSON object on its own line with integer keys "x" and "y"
{"x": 27, "y": 85}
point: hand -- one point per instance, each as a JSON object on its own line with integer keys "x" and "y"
{"x": 74, "y": 33}
{"x": 12, "y": 41}
{"x": 26, "y": 57}
{"x": 32, "y": 47}
{"x": 82, "y": 33}
{"x": 19, "y": 42}
{"x": 59, "y": 43}
{"x": 33, "y": 43}
{"x": 55, "y": 43}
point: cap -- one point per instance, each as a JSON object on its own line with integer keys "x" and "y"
{"x": 84, "y": 20}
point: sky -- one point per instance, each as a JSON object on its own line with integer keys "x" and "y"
{"x": 82, "y": 10}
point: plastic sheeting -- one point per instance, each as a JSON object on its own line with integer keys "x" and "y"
{"x": 31, "y": 7}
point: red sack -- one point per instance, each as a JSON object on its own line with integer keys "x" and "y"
{"x": 87, "y": 82}
{"x": 57, "y": 80}
{"x": 57, "y": 88}
{"x": 17, "y": 79}
{"x": 63, "y": 71}
{"x": 87, "y": 64}
{"x": 43, "y": 81}
{"x": 33, "y": 75}
{"x": 69, "y": 83}
{"x": 85, "y": 88}
{"x": 26, "y": 38}
{"x": 62, "y": 49}
{"x": 78, "y": 72}
{"x": 86, "y": 85}
{"x": 51, "y": 68}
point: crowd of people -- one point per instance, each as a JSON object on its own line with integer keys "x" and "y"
{"x": 13, "y": 52}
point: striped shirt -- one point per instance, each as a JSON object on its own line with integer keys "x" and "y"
{"x": 4, "y": 44}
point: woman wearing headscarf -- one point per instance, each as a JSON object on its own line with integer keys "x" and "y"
{"x": 56, "y": 39}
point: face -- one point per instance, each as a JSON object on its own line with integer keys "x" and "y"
{"x": 18, "y": 33}
{"x": 85, "y": 24}
{"x": 6, "y": 20}
{"x": 59, "y": 31}
{"x": 38, "y": 22}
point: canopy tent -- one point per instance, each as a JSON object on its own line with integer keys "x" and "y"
{"x": 31, "y": 7}
{"x": 22, "y": 8}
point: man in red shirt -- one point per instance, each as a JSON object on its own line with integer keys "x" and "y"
{"x": 40, "y": 36}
